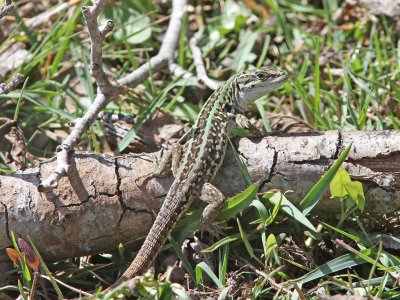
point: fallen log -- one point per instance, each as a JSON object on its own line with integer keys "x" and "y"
{"x": 107, "y": 200}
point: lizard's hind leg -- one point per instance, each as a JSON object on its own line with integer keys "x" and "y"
{"x": 215, "y": 200}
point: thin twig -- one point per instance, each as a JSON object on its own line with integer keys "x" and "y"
{"x": 167, "y": 49}
{"x": 178, "y": 71}
{"x": 200, "y": 69}
{"x": 97, "y": 35}
{"x": 106, "y": 90}
{"x": 6, "y": 8}
{"x": 15, "y": 81}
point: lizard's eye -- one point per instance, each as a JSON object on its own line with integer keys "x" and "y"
{"x": 261, "y": 76}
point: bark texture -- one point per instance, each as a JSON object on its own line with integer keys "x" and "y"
{"x": 107, "y": 200}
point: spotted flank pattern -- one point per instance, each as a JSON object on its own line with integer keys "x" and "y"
{"x": 203, "y": 155}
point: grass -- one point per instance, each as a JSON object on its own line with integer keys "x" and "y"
{"x": 345, "y": 75}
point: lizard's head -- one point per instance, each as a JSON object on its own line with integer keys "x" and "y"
{"x": 255, "y": 83}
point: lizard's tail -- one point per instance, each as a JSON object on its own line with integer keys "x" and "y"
{"x": 166, "y": 219}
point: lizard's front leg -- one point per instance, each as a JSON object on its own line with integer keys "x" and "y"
{"x": 240, "y": 120}
{"x": 168, "y": 161}
{"x": 216, "y": 200}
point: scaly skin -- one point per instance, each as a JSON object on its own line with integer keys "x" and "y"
{"x": 203, "y": 154}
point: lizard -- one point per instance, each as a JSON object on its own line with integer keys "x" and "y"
{"x": 197, "y": 156}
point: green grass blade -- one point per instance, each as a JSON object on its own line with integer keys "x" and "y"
{"x": 158, "y": 101}
{"x": 291, "y": 210}
{"x": 242, "y": 167}
{"x": 226, "y": 240}
{"x": 203, "y": 266}
{"x": 275, "y": 210}
{"x": 30, "y": 35}
{"x": 317, "y": 78}
{"x": 319, "y": 189}
{"x": 183, "y": 258}
{"x": 223, "y": 265}
{"x": 261, "y": 209}
{"x": 346, "y": 234}
{"x": 340, "y": 263}
{"x": 18, "y": 106}
{"x": 245, "y": 240}
{"x": 46, "y": 270}
{"x": 21, "y": 290}
{"x": 264, "y": 118}
{"x": 225, "y": 293}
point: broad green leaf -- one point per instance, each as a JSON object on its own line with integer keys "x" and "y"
{"x": 338, "y": 182}
{"x": 179, "y": 291}
{"x": 165, "y": 292}
{"x": 377, "y": 281}
{"x": 372, "y": 261}
{"x": 271, "y": 244}
{"x": 291, "y": 210}
{"x": 319, "y": 189}
{"x": 186, "y": 227}
{"x": 225, "y": 293}
{"x": 233, "y": 206}
{"x": 356, "y": 192}
{"x": 275, "y": 211}
{"x": 238, "y": 203}
{"x": 233, "y": 10}
{"x": 203, "y": 266}
{"x": 393, "y": 241}
{"x": 262, "y": 211}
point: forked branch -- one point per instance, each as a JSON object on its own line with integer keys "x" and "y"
{"x": 106, "y": 90}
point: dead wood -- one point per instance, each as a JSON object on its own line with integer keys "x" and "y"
{"x": 106, "y": 200}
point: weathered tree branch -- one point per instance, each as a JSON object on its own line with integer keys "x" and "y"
{"x": 106, "y": 91}
{"x": 106, "y": 200}
{"x": 15, "y": 81}
{"x": 200, "y": 68}
{"x": 6, "y": 8}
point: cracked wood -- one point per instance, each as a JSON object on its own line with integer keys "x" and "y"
{"x": 97, "y": 206}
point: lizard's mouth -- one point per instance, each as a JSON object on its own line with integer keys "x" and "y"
{"x": 284, "y": 77}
